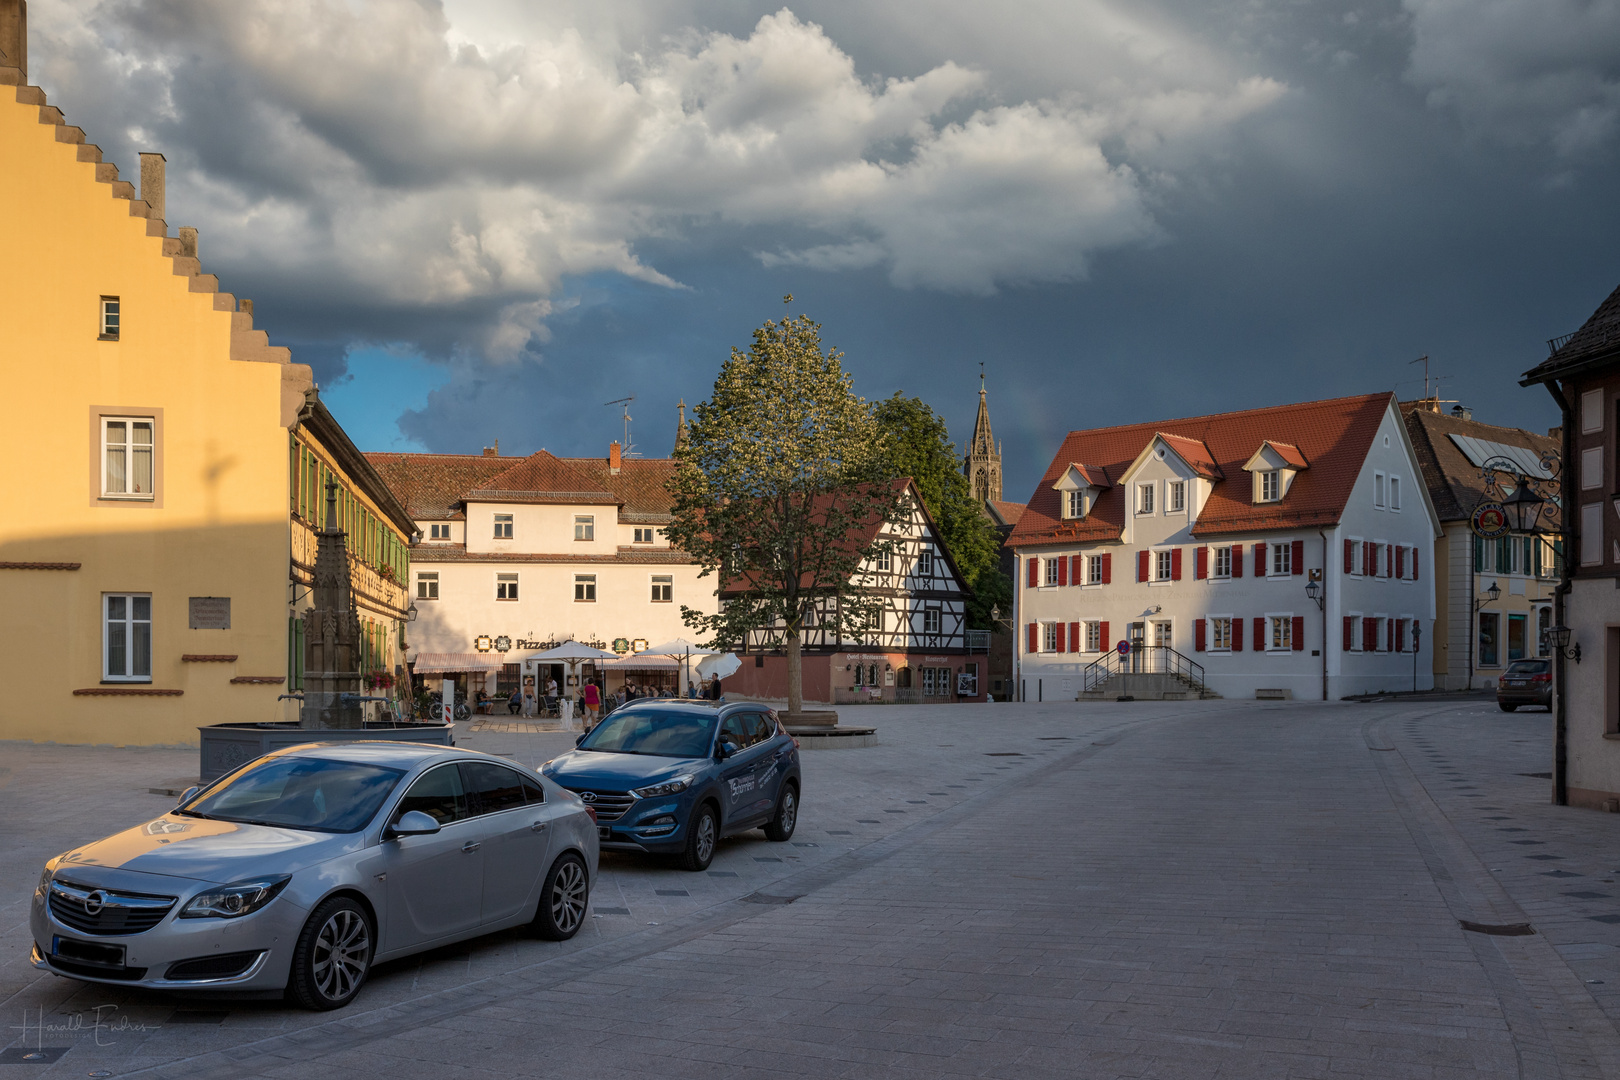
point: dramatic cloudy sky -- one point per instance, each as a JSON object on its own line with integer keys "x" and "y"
{"x": 482, "y": 219}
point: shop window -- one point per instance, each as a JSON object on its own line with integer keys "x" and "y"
{"x": 127, "y": 637}
{"x": 127, "y": 448}
{"x": 427, "y": 585}
{"x": 1517, "y": 645}
{"x": 1489, "y": 625}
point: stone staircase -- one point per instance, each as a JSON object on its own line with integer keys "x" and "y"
{"x": 246, "y": 343}
{"x": 1155, "y": 686}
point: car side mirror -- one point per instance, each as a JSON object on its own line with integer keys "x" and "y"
{"x": 413, "y": 823}
{"x": 580, "y": 737}
{"x": 724, "y": 750}
{"x": 185, "y": 796}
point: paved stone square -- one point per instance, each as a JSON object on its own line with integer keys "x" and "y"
{"x": 1180, "y": 889}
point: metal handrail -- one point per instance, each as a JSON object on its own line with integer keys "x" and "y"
{"x": 1142, "y": 659}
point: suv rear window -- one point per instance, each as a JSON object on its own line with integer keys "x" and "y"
{"x": 1527, "y": 667}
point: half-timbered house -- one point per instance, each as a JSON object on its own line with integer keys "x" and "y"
{"x": 915, "y": 649}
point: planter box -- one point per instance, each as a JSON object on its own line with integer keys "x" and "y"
{"x": 225, "y": 746}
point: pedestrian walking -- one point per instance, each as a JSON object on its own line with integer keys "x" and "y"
{"x": 593, "y": 705}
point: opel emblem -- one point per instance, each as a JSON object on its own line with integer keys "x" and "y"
{"x": 587, "y": 796}
{"x": 94, "y": 902}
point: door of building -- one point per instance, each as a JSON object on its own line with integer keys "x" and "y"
{"x": 1138, "y": 640}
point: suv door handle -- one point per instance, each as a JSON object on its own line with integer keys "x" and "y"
{"x": 471, "y": 845}
{"x": 538, "y": 826}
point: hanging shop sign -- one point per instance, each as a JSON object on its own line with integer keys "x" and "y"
{"x": 1489, "y": 520}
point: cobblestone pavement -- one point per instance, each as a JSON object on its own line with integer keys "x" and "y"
{"x": 1188, "y": 889}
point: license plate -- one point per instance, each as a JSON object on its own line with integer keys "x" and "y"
{"x": 1512, "y": 682}
{"x": 88, "y": 952}
{"x": 604, "y": 833}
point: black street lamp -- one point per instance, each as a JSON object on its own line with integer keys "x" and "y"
{"x": 1492, "y": 595}
{"x": 1523, "y": 508}
{"x": 1558, "y": 638}
{"x": 1313, "y": 591}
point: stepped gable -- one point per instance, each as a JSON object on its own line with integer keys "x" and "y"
{"x": 639, "y": 486}
{"x": 432, "y": 485}
{"x": 541, "y": 477}
{"x": 1334, "y": 436}
{"x": 1599, "y": 335}
{"x": 147, "y": 213}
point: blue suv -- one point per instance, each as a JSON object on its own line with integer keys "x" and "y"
{"x": 673, "y": 777}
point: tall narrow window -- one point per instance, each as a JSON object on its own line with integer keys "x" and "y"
{"x": 925, "y": 562}
{"x": 1144, "y": 498}
{"x": 1282, "y": 559}
{"x": 1075, "y": 503}
{"x": 584, "y": 527}
{"x": 109, "y": 318}
{"x": 506, "y": 586}
{"x": 585, "y": 588}
{"x": 1175, "y": 497}
{"x": 427, "y": 585}
{"x": 1270, "y": 486}
{"x": 1282, "y": 632}
{"x": 884, "y": 562}
{"x": 1378, "y": 490}
{"x": 503, "y": 526}
{"x": 1394, "y": 493}
{"x": 931, "y": 620}
{"x": 1220, "y": 633}
{"x": 1093, "y": 569}
{"x": 1048, "y": 635}
{"x": 127, "y": 446}
{"x": 1223, "y": 562}
{"x": 127, "y": 647}
{"x": 1163, "y": 563}
{"x": 663, "y": 588}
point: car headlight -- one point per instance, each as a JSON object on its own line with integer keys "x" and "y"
{"x": 45, "y": 879}
{"x": 668, "y": 787}
{"x": 234, "y": 901}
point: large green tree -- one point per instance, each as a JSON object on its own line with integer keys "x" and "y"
{"x": 920, "y": 447}
{"x": 783, "y": 471}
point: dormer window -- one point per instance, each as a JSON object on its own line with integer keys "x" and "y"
{"x": 1274, "y": 467}
{"x": 1074, "y": 505}
{"x": 1270, "y": 485}
{"x": 1078, "y": 489}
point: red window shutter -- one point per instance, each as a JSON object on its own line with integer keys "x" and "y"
{"x": 1063, "y": 571}
{"x": 1062, "y": 639}
{"x": 1260, "y": 559}
{"x": 1077, "y": 564}
{"x": 1299, "y": 633}
{"x": 1201, "y": 563}
{"x": 1259, "y": 634}
{"x": 1034, "y": 637}
{"x": 1237, "y": 626}
{"x": 1414, "y": 564}
{"x": 1400, "y": 562}
{"x": 1074, "y": 637}
{"x": 1108, "y": 568}
{"x": 1389, "y": 559}
{"x": 1400, "y": 635}
{"x": 1349, "y": 556}
{"x": 1237, "y": 563}
{"x": 1141, "y": 566}
{"x": 1297, "y": 557}
{"x": 1175, "y": 564}
{"x": 1198, "y": 635}
{"x": 1349, "y": 632}
{"x": 1102, "y": 632}
{"x": 1034, "y": 574}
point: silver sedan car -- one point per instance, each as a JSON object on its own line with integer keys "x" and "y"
{"x": 302, "y": 869}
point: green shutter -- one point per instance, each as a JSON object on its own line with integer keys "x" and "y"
{"x": 295, "y": 653}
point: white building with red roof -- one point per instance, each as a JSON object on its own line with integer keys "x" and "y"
{"x": 1200, "y": 543}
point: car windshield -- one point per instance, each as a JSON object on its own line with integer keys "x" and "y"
{"x": 1527, "y": 667}
{"x": 661, "y": 732}
{"x": 300, "y": 793}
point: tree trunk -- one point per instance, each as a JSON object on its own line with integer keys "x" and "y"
{"x": 795, "y": 673}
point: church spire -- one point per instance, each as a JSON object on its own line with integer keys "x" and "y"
{"x": 680, "y": 428}
{"x": 983, "y": 463}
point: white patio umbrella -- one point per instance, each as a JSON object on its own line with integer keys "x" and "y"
{"x": 573, "y": 654}
{"x": 685, "y": 650}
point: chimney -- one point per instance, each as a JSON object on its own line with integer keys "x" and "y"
{"x": 613, "y": 458}
{"x": 493, "y": 451}
{"x": 151, "y": 183}
{"x": 14, "y": 36}
{"x": 1462, "y": 412}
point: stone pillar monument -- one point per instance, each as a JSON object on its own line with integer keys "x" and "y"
{"x": 332, "y": 676}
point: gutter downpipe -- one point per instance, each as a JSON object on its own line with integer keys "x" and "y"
{"x": 1323, "y": 534}
{"x": 1017, "y": 646}
{"x": 1566, "y": 521}
{"x": 1473, "y": 604}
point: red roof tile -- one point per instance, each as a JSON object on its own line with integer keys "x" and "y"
{"x": 639, "y": 485}
{"x": 431, "y": 485}
{"x": 1194, "y": 453}
{"x": 541, "y": 478}
{"x": 1334, "y": 435}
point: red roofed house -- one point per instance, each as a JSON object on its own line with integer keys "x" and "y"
{"x": 1197, "y": 541}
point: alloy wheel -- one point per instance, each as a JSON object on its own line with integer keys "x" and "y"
{"x": 342, "y": 953}
{"x": 705, "y": 837}
{"x": 790, "y": 811}
{"x": 568, "y": 897}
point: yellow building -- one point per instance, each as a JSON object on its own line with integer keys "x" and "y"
{"x": 156, "y": 539}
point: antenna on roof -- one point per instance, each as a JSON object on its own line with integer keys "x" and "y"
{"x": 625, "y": 401}
{"x": 1424, "y": 360}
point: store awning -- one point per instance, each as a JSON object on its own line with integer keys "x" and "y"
{"x": 640, "y": 662}
{"x": 456, "y": 663}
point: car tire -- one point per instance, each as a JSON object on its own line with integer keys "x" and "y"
{"x": 783, "y": 822}
{"x": 702, "y": 837}
{"x": 333, "y": 955}
{"x": 564, "y": 895}
{"x": 1505, "y": 707}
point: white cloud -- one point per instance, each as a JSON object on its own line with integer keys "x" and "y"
{"x": 385, "y": 156}
{"x": 1524, "y": 71}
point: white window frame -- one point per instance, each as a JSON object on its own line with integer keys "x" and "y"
{"x": 1358, "y": 556}
{"x": 1091, "y": 634}
{"x": 439, "y": 530}
{"x": 1394, "y": 494}
{"x": 584, "y": 588}
{"x": 1094, "y": 569}
{"x": 1049, "y": 572}
{"x": 1164, "y": 560}
{"x": 585, "y": 527}
{"x": 427, "y": 582}
{"x": 883, "y": 561}
{"x": 112, "y": 311}
{"x": 1144, "y": 499}
{"x": 1356, "y": 626}
{"x": 1378, "y": 491}
{"x": 1215, "y": 571}
{"x": 506, "y": 587}
{"x": 1165, "y": 628}
{"x": 1591, "y": 412}
{"x": 1231, "y": 628}
{"x": 503, "y": 527}
{"x": 128, "y": 446}
{"x": 933, "y": 619}
{"x": 1282, "y": 553}
{"x": 643, "y": 535}
{"x": 1175, "y": 496}
{"x": 128, "y": 625}
{"x": 665, "y": 582}
{"x": 1074, "y": 503}
{"x": 1269, "y": 489}
{"x": 925, "y": 562}
{"x": 1049, "y": 637}
{"x": 1271, "y": 631}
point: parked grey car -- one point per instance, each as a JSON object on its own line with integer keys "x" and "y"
{"x": 302, "y": 869}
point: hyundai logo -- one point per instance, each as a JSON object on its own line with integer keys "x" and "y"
{"x": 94, "y": 902}
{"x": 587, "y": 796}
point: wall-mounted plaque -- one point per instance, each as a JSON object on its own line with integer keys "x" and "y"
{"x": 210, "y": 613}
